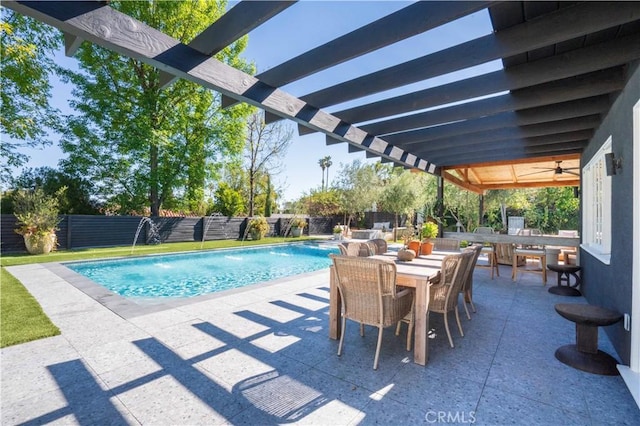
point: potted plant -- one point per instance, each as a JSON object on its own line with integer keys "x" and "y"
{"x": 429, "y": 231}
{"x": 258, "y": 227}
{"x": 37, "y": 215}
{"x": 337, "y": 232}
{"x": 297, "y": 225}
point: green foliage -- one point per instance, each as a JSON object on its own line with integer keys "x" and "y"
{"x": 258, "y": 227}
{"x": 21, "y": 317}
{"x": 322, "y": 203}
{"x": 401, "y": 195}
{"x": 26, "y": 115}
{"x": 298, "y": 222}
{"x": 268, "y": 199}
{"x": 359, "y": 186}
{"x": 37, "y": 213}
{"x": 140, "y": 143}
{"x": 229, "y": 202}
{"x": 429, "y": 230}
{"x": 76, "y": 199}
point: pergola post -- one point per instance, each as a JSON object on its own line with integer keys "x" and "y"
{"x": 481, "y": 210}
{"x": 440, "y": 204}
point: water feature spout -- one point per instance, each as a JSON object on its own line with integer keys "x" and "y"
{"x": 207, "y": 224}
{"x": 154, "y": 232}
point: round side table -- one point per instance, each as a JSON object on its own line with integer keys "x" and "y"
{"x": 565, "y": 272}
{"x": 584, "y": 355}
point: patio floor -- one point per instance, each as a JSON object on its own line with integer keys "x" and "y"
{"x": 262, "y": 356}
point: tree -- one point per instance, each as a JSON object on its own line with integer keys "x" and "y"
{"x": 268, "y": 199}
{"x": 76, "y": 199}
{"x": 228, "y": 201}
{"x": 359, "y": 186}
{"x": 322, "y": 203}
{"x": 265, "y": 145}
{"x": 26, "y": 115}
{"x": 144, "y": 145}
{"x": 402, "y": 193}
{"x": 323, "y": 165}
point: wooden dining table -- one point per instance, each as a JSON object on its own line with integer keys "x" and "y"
{"x": 415, "y": 274}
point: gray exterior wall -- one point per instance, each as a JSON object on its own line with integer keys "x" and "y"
{"x": 610, "y": 286}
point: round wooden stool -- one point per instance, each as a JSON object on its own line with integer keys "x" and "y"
{"x": 584, "y": 355}
{"x": 564, "y": 275}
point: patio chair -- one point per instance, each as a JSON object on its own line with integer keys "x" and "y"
{"x": 444, "y": 295}
{"x": 369, "y": 295}
{"x": 489, "y": 250}
{"x": 381, "y": 245}
{"x": 446, "y": 244}
{"x": 359, "y": 249}
{"x": 467, "y": 288}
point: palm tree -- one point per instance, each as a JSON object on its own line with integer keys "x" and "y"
{"x": 327, "y": 163}
{"x": 323, "y": 165}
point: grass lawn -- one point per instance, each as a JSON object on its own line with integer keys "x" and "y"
{"x": 21, "y": 317}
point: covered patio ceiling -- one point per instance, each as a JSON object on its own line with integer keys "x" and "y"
{"x": 563, "y": 63}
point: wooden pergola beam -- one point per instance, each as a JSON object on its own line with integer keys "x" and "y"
{"x": 579, "y": 87}
{"x": 468, "y": 141}
{"x": 234, "y": 24}
{"x": 459, "y": 182}
{"x": 547, "y": 113}
{"x": 123, "y": 34}
{"x": 407, "y": 22}
{"x": 576, "y": 62}
{"x": 564, "y": 24}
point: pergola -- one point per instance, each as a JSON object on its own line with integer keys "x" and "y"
{"x": 563, "y": 64}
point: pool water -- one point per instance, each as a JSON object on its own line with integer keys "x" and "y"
{"x": 193, "y": 274}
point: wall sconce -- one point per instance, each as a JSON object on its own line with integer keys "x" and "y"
{"x": 612, "y": 164}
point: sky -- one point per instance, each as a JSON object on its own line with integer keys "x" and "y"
{"x": 300, "y": 27}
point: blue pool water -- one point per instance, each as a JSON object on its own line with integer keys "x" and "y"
{"x": 193, "y": 274}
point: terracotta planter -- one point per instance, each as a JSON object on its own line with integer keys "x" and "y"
{"x": 426, "y": 248}
{"x": 40, "y": 244}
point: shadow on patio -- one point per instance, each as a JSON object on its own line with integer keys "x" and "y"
{"x": 263, "y": 357}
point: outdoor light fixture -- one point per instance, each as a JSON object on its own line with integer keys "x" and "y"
{"x": 612, "y": 164}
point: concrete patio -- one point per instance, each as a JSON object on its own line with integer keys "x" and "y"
{"x": 262, "y": 356}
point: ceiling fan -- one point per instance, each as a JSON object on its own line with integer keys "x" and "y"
{"x": 558, "y": 170}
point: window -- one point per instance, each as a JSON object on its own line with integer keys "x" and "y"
{"x": 596, "y": 206}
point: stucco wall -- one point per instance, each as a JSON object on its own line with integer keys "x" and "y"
{"x": 610, "y": 286}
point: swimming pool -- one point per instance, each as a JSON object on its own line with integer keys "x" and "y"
{"x": 193, "y": 274}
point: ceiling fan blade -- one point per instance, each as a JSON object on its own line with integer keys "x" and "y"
{"x": 544, "y": 168}
{"x": 571, "y": 168}
{"x": 570, "y": 172}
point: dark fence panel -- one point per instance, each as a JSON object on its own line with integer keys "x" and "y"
{"x": 82, "y": 231}
{"x": 221, "y": 228}
{"x": 178, "y": 229}
{"x": 321, "y": 225}
{"x": 103, "y": 231}
{"x": 11, "y": 242}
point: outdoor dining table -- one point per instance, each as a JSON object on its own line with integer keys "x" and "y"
{"x": 414, "y": 274}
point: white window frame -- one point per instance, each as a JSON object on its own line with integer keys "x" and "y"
{"x": 596, "y": 206}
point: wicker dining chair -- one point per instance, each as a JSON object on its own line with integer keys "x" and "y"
{"x": 467, "y": 288}
{"x": 369, "y": 295}
{"x": 444, "y": 295}
{"x": 356, "y": 248}
{"x": 381, "y": 245}
{"x": 446, "y": 244}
